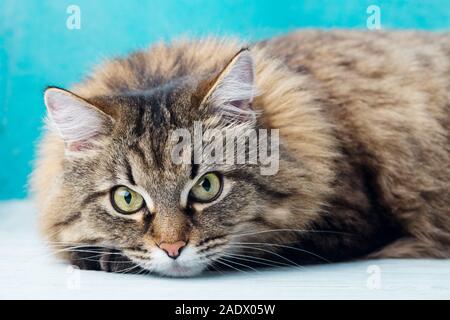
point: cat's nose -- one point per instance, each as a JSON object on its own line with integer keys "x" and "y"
{"x": 173, "y": 250}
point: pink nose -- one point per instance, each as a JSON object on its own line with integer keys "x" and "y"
{"x": 173, "y": 250}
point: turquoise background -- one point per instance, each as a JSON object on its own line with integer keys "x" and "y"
{"x": 36, "y": 48}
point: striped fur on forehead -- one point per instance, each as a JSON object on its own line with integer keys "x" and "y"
{"x": 158, "y": 65}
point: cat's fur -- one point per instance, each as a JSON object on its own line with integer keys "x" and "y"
{"x": 364, "y": 122}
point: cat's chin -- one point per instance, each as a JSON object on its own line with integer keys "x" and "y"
{"x": 178, "y": 270}
{"x": 186, "y": 265}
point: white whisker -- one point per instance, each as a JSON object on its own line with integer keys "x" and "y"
{"x": 287, "y": 247}
{"x": 237, "y": 263}
{"x": 267, "y": 262}
{"x": 290, "y": 230}
{"x": 229, "y": 266}
{"x": 271, "y": 252}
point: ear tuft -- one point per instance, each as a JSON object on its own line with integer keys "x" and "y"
{"x": 76, "y": 120}
{"x": 234, "y": 90}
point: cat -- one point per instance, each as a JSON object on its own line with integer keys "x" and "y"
{"x": 363, "y": 156}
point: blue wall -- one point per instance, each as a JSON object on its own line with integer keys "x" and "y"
{"x": 37, "y": 49}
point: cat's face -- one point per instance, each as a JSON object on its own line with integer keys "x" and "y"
{"x": 128, "y": 193}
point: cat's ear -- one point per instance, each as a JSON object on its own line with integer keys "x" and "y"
{"x": 77, "y": 121}
{"x": 233, "y": 90}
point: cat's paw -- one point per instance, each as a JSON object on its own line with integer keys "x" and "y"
{"x": 102, "y": 259}
{"x": 113, "y": 261}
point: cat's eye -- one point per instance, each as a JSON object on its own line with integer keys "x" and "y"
{"x": 125, "y": 200}
{"x": 207, "y": 188}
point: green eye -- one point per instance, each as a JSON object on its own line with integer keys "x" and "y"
{"x": 126, "y": 201}
{"x": 207, "y": 189}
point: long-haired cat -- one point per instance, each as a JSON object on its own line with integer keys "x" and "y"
{"x": 364, "y": 168}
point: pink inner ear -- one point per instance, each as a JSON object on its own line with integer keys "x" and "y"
{"x": 75, "y": 120}
{"x": 234, "y": 93}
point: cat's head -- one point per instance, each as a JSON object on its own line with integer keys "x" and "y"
{"x": 124, "y": 187}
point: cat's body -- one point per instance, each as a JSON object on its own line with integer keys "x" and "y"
{"x": 364, "y": 169}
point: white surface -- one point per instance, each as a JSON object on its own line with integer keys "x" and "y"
{"x": 28, "y": 271}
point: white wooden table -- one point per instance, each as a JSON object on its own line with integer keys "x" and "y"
{"x": 28, "y": 271}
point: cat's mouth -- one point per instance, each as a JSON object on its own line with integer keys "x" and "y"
{"x": 188, "y": 264}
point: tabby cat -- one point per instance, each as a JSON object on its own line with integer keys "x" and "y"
{"x": 363, "y": 167}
